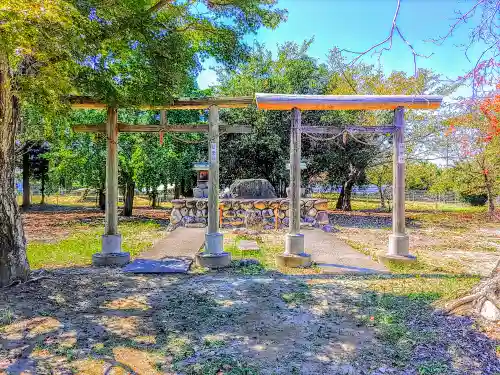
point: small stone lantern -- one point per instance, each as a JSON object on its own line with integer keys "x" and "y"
{"x": 201, "y": 189}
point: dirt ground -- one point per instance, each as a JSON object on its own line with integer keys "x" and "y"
{"x": 96, "y": 321}
{"x": 443, "y": 242}
{"x": 51, "y": 222}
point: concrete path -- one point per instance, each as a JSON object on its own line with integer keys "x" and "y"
{"x": 180, "y": 243}
{"x": 335, "y": 256}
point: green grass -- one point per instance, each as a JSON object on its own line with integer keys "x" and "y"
{"x": 78, "y": 247}
{"x": 439, "y": 288}
{"x": 388, "y": 304}
{"x": 6, "y": 317}
{"x": 359, "y": 203}
{"x": 266, "y": 257}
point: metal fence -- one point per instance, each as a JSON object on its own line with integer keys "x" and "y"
{"x": 371, "y": 192}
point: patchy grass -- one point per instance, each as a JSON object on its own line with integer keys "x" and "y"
{"x": 442, "y": 288}
{"x": 85, "y": 240}
{"x": 6, "y": 317}
{"x": 266, "y": 256}
{"x": 433, "y": 368}
{"x": 296, "y": 298}
{"x": 222, "y": 365}
{"x": 228, "y": 324}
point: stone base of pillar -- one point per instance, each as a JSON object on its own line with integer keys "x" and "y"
{"x": 110, "y": 260}
{"x": 398, "y": 259}
{"x": 111, "y": 252}
{"x": 210, "y": 260}
{"x": 214, "y": 243}
{"x": 399, "y": 244}
{"x": 111, "y": 243}
{"x": 294, "y": 243}
{"x": 294, "y": 255}
{"x": 293, "y": 260}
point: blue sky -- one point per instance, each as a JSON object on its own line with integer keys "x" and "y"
{"x": 358, "y": 24}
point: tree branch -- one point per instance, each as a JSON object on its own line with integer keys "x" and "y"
{"x": 159, "y": 5}
{"x": 389, "y": 39}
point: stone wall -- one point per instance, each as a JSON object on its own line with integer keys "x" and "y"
{"x": 269, "y": 213}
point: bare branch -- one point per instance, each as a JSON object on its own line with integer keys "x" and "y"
{"x": 461, "y": 19}
{"x": 375, "y": 51}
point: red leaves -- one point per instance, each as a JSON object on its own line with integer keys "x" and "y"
{"x": 450, "y": 130}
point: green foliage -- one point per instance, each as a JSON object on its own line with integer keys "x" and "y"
{"x": 41, "y": 41}
{"x": 79, "y": 160}
{"x": 474, "y": 199}
{"x": 122, "y": 53}
{"x": 264, "y": 153}
{"x": 143, "y": 54}
{"x": 421, "y": 175}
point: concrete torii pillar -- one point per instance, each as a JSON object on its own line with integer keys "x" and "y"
{"x": 111, "y": 254}
{"x": 294, "y": 255}
{"x": 398, "y": 241}
{"x": 214, "y": 255}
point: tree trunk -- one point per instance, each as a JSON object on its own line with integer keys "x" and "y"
{"x": 13, "y": 263}
{"x": 348, "y": 185}
{"x": 26, "y": 178}
{"x": 491, "y": 196}
{"x": 340, "y": 200}
{"x": 177, "y": 191}
{"x": 102, "y": 200}
{"x": 129, "y": 198}
{"x": 346, "y": 203}
{"x": 381, "y": 193}
{"x": 42, "y": 188}
{"x": 154, "y": 198}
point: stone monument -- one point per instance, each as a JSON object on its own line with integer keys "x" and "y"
{"x": 255, "y": 188}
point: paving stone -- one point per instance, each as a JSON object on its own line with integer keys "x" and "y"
{"x": 248, "y": 245}
{"x": 182, "y": 242}
{"x": 335, "y": 256}
{"x": 158, "y": 266}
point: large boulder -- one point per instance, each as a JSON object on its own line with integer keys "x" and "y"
{"x": 255, "y": 188}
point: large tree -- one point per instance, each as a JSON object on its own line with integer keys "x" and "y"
{"x": 37, "y": 39}
{"x": 119, "y": 52}
{"x": 264, "y": 153}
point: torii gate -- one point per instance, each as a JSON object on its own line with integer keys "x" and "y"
{"x": 294, "y": 254}
{"x": 111, "y": 253}
{"x": 398, "y": 250}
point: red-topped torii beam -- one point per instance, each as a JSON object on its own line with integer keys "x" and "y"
{"x": 285, "y": 102}
{"x": 294, "y": 254}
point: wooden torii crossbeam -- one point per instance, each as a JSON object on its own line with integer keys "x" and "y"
{"x": 111, "y": 253}
{"x": 184, "y": 128}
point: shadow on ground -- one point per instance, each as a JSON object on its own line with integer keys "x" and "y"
{"x": 365, "y": 219}
{"x": 95, "y": 321}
